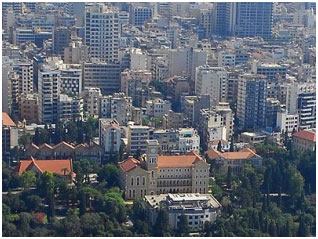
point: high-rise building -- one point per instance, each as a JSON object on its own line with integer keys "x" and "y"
{"x": 211, "y": 81}
{"x": 105, "y": 76}
{"x": 61, "y": 39}
{"x": 251, "y": 101}
{"x": 49, "y": 88}
{"x": 140, "y": 14}
{"x": 244, "y": 19}
{"x": 253, "y": 19}
{"x": 101, "y": 32}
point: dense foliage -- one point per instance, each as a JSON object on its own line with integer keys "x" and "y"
{"x": 274, "y": 200}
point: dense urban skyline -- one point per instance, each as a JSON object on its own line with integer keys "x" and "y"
{"x": 159, "y": 119}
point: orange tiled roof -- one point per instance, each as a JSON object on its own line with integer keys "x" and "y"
{"x": 52, "y": 165}
{"x": 116, "y": 126}
{"x": 212, "y": 153}
{"x": 307, "y": 135}
{"x": 178, "y": 161}
{"x": 129, "y": 164}
{"x": 243, "y": 154}
{"x": 6, "y": 120}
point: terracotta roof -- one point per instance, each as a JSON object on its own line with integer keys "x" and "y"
{"x": 129, "y": 164}
{"x": 6, "y": 120}
{"x": 39, "y": 217}
{"x": 213, "y": 153}
{"x": 178, "y": 161}
{"x": 243, "y": 154}
{"x": 307, "y": 135}
{"x": 237, "y": 155}
{"x": 116, "y": 126}
{"x": 51, "y": 165}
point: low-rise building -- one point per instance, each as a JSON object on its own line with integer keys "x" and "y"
{"x": 189, "y": 140}
{"x": 198, "y": 208}
{"x": 287, "y": 122}
{"x": 168, "y": 140}
{"x": 234, "y": 160}
{"x": 157, "y": 107}
{"x": 64, "y": 150}
{"x": 63, "y": 167}
{"x": 158, "y": 174}
{"x": 28, "y": 107}
{"x": 173, "y": 120}
{"x": 304, "y": 140}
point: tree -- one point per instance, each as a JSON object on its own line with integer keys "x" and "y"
{"x": 24, "y": 223}
{"x": 110, "y": 173}
{"x": 302, "y": 229}
{"x": 72, "y": 226}
{"x": 162, "y": 228}
{"x": 92, "y": 225}
{"x": 229, "y": 177}
{"x": 232, "y": 144}
{"x": 137, "y": 154}
{"x": 273, "y": 229}
{"x": 219, "y": 148}
{"x": 183, "y": 227}
{"x": 45, "y": 184}
{"x": 27, "y": 179}
{"x": 33, "y": 203}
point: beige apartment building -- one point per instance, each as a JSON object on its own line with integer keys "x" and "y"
{"x": 156, "y": 174}
{"x": 304, "y": 140}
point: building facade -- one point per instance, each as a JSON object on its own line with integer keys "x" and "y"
{"x": 156, "y": 174}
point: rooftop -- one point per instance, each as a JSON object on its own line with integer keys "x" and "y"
{"x": 306, "y": 135}
{"x": 6, "y": 120}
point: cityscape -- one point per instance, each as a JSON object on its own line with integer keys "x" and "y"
{"x": 158, "y": 119}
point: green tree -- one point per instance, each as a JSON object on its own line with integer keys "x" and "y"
{"x": 302, "y": 229}
{"x": 92, "y": 224}
{"x": 72, "y": 226}
{"x": 183, "y": 227}
{"x": 232, "y": 144}
{"x": 27, "y": 179}
{"x": 229, "y": 177}
{"x": 161, "y": 227}
{"x": 109, "y": 173}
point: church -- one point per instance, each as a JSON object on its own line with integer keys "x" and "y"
{"x": 156, "y": 174}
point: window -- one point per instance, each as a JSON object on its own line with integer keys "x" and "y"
{"x": 137, "y": 182}
{"x": 132, "y": 181}
{"x": 143, "y": 180}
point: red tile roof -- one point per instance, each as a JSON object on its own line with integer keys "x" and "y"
{"x": 113, "y": 125}
{"x": 129, "y": 164}
{"x": 307, "y": 135}
{"x": 178, "y": 161}
{"x": 52, "y": 165}
{"x": 6, "y": 120}
{"x": 243, "y": 154}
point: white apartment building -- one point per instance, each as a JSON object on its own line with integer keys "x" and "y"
{"x": 25, "y": 72}
{"x": 137, "y": 138}
{"x": 198, "y": 208}
{"x": 105, "y": 76}
{"x": 49, "y": 89}
{"x": 287, "y": 122}
{"x": 91, "y": 98}
{"x": 211, "y": 81}
{"x": 183, "y": 61}
{"x": 71, "y": 80}
{"x": 157, "y": 107}
{"x": 189, "y": 140}
{"x": 129, "y": 79}
{"x": 69, "y": 108}
{"x": 226, "y": 58}
{"x": 101, "y": 32}
{"x": 109, "y": 135}
{"x": 116, "y": 106}
{"x": 75, "y": 53}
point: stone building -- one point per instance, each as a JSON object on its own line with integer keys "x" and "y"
{"x": 157, "y": 174}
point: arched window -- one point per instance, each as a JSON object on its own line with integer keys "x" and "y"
{"x": 137, "y": 181}
{"x": 132, "y": 181}
{"x": 152, "y": 174}
{"x": 143, "y": 180}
